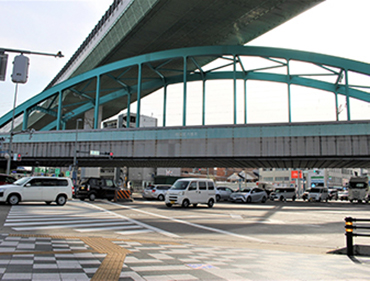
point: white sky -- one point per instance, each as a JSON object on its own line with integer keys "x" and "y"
{"x": 335, "y": 27}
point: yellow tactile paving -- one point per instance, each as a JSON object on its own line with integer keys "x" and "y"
{"x": 110, "y": 268}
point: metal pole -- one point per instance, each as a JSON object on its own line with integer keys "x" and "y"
{"x": 9, "y": 160}
{"x": 74, "y": 170}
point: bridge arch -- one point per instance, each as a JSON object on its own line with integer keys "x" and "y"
{"x": 115, "y": 86}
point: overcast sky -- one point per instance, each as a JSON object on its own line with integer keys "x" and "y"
{"x": 335, "y": 27}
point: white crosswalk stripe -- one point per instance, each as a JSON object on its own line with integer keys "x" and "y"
{"x": 79, "y": 216}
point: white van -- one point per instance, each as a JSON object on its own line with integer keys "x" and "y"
{"x": 318, "y": 194}
{"x": 48, "y": 189}
{"x": 193, "y": 191}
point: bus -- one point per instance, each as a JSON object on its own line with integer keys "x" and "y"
{"x": 358, "y": 189}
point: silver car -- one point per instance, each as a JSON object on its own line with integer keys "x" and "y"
{"x": 249, "y": 195}
{"x": 223, "y": 193}
{"x": 157, "y": 191}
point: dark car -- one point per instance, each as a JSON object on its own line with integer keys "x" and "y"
{"x": 93, "y": 188}
{"x": 333, "y": 194}
{"x": 5, "y": 179}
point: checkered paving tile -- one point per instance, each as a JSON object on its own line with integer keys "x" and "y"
{"x": 149, "y": 261}
{"x": 47, "y": 259}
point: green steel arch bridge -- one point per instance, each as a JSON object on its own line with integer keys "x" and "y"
{"x": 319, "y": 144}
{"x": 132, "y": 79}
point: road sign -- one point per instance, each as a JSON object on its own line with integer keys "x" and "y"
{"x": 94, "y": 152}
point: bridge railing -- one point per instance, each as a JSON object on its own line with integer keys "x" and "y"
{"x": 350, "y": 226}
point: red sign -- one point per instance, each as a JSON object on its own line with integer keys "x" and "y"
{"x": 295, "y": 174}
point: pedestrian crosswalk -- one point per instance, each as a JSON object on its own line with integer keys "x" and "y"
{"x": 78, "y": 216}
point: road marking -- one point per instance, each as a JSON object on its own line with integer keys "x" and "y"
{"x": 107, "y": 228}
{"x": 76, "y": 217}
{"x": 144, "y": 225}
{"x": 191, "y": 224}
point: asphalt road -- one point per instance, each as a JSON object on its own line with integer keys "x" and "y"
{"x": 295, "y": 226}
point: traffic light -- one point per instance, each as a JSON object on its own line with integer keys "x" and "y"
{"x": 19, "y": 157}
{"x": 110, "y": 155}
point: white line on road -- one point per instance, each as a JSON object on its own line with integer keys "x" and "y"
{"x": 191, "y": 224}
{"x": 144, "y": 225}
{"x": 107, "y": 228}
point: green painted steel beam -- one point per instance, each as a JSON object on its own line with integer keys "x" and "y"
{"x": 213, "y": 51}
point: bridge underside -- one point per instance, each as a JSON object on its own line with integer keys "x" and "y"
{"x": 189, "y": 162}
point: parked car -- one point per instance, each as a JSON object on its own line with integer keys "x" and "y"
{"x": 333, "y": 194}
{"x": 305, "y": 194}
{"x": 343, "y": 195}
{"x": 283, "y": 193}
{"x": 157, "y": 191}
{"x": 248, "y": 195}
{"x": 318, "y": 194}
{"x": 193, "y": 191}
{"x": 48, "y": 189}
{"x": 5, "y": 179}
{"x": 223, "y": 193}
{"x": 93, "y": 188}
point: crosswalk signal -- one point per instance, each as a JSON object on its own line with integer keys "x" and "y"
{"x": 19, "y": 157}
{"x": 110, "y": 155}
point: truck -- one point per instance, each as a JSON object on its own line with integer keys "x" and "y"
{"x": 358, "y": 189}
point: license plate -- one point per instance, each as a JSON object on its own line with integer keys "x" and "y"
{"x": 172, "y": 202}
{"x": 82, "y": 187}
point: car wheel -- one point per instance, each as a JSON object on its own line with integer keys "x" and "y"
{"x": 218, "y": 198}
{"x": 168, "y": 205}
{"x": 48, "y": 202}
{"x": 185, "y": 203}
{"x": 211, "y": 202}
{"x": 249, "y": 199}
{"x": 92, "y": 196}
{"x": 160, "y": 197}
{"x": 263, "y": 199}
{"x": 13, "y": 199}
{"x": 61, "y": 200}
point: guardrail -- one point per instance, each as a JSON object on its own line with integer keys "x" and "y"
{"x": 350, "y": 234}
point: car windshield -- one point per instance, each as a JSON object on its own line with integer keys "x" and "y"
{"x": 246, "y": 190}
{"x": 21, "y": 181}
{"x": 315, "y": 190}
{"x": 180, "y": 185}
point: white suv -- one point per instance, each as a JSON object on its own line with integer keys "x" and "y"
{"x": 283, "y": 194}
{"x": 48, "y": 189}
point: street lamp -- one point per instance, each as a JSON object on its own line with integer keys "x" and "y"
{"x": 74, "y": 171}
{"x": 19, "y": 75}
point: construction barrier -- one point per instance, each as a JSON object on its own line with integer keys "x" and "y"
{"x": 122, "y": 195}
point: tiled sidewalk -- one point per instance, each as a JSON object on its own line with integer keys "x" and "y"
{"x": 189, "y": 262}
{"x": 64, "y": 258}
{"x": 46, "y": 258}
